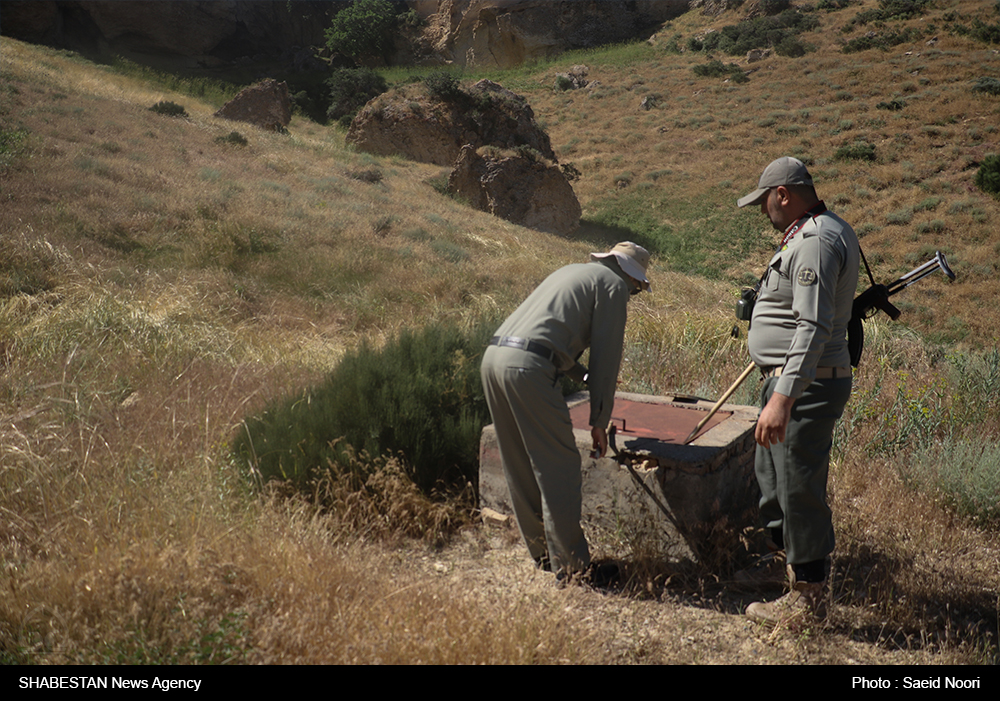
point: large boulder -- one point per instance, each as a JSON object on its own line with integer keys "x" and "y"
{"x": 412, "y": 122}
{"x": 518, "y": 187}
{"x": 266, "y": 104}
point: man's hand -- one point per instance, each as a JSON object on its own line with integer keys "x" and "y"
{"x": 774, "y": 420}
{"x": 600, "y": 436}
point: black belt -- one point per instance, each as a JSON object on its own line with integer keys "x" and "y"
{"x": 524, "y": 344}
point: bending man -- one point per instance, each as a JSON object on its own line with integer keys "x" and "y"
{"x": 576, "y": 307}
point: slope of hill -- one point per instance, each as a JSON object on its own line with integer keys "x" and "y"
{"x": 158, "y": 282}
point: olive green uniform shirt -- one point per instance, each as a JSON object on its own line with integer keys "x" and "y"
{"x": 801, "y": 314}
{"x": 578, "y": 307}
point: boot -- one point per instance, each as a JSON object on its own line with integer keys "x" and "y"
{"x": 806, "y": 600}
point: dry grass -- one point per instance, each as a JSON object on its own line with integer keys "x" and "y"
{"x": 158, "y": 286}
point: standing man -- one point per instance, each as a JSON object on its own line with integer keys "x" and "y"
{"x": 576, "y": 307}
{"x": 798, "y": 338}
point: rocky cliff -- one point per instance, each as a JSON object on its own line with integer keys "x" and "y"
{"x": 207, "y": 29}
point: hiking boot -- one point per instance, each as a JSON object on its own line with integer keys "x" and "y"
{"x": 806, "y": 601}
{"x": 768, "y": 572}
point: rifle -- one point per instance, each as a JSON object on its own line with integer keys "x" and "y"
{"x": 876, "y": 298}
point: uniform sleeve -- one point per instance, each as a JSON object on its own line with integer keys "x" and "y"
{"x": 813, "y": 271}
{"x": 607, "y": 340}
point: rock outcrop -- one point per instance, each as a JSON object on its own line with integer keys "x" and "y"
{"x": 411, "y": 122}
{"x": 507, "y": 33}
{"x": 518, "y": 188}
{"x": 266, "y": 104}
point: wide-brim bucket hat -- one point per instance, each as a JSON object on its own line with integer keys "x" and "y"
{"x": 632, "y": 258}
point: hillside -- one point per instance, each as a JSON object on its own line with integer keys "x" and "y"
{"x": 159, "y": 282}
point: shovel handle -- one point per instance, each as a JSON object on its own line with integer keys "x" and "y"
{"x": 722, "y": 400}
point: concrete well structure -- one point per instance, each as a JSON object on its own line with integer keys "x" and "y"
{"x": 708, "y": 487}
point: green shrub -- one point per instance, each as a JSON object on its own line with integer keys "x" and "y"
{"x": 350, "y": 89}
{"x": 444, "y": 86}
{"x": 980, "y": 31}
{"x": 883, "y": 41}
{"x": 935, "y": 226}
{"x": 12, "y": 145}
{"x": 990, "y": 86}
{"x": 717, "y": 69}
{"x": 791, "y": 47}
{"x": 893, "y": 105}
{"x": 368, "y": 175}
{"x": 761, "y": 32}
{"x": 168, "y": 109}
{"x": 419, "y": 395}
{"x": 965, "y": 474}
{"x": 363, "y": 29}
{"x": 988, "y": 175}
{"x": 902, "y": 216}
{"x": 890, "y": 10}
{"x": 858, "y": 151}
{"x": 563, "y": 83}
{"x": 233, "y": 138}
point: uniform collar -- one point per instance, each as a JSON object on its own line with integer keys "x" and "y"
{"x": 810, "y": 213}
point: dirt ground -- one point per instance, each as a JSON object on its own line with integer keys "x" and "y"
{"x": 657, "y": 622}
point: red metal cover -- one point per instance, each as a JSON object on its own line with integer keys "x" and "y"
{"x": 668, "y": 423}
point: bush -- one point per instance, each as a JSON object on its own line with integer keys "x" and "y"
{"x": 890, "y": 10}
{"x": 760, "y": 33}
{"x": 858, "y": 151}
{"x": 168, "y": 109}
{"x": 791, "y": 47}
{"x": 988, "y": 176}
{"x": 883, "y": 41}
{"x": 233, "y": 138}
{"x": 12, "y": 145}
{"x": 368, "y": 175}
{"x": 990, "y": 86}
{"x": 965, "y": 474}
{"x": 894, "y": 105}
{"x": 444, "y": 86}
{"x": 980, "y": 31}
{"x": 350, "y": 89}
{"x": 986, "y": 33}
{"x": 717, "y": 69}
{"x": 363, "y": 29}
{"x": 419, "y": 395}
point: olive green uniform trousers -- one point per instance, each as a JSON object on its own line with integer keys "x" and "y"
{"x": 793, "y": 474}
{"x": 539, "y": 455}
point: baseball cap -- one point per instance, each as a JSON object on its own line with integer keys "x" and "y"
{"x": 784, "y": 171}
{"x": 631, "y": 257}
